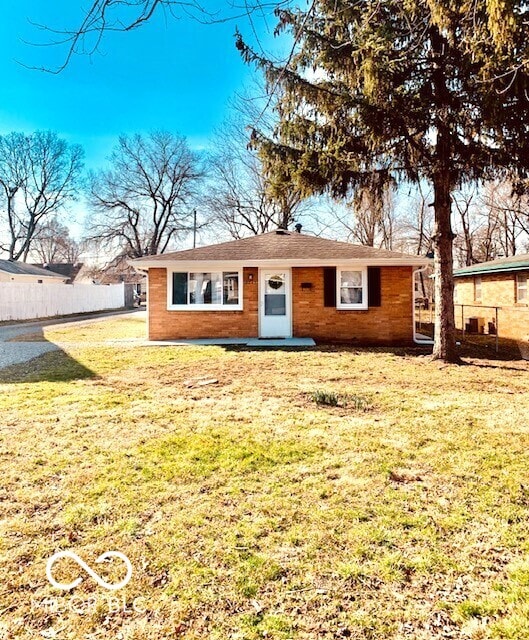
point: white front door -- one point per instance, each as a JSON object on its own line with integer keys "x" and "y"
{"x": 275, "y": 303}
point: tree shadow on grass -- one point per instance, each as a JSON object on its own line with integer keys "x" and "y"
{"x": 483, "y": 347}
{"x": 53, "y": 366}
{"x": 337, "y": 347}
{"x": 479, "y": 353}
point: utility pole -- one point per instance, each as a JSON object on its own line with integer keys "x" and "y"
{"x": 194, "y": 228}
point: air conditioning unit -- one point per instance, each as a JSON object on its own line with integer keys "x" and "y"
{"x": 475, "y": 325}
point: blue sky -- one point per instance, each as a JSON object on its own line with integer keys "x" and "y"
{"x": 171, "y": 74}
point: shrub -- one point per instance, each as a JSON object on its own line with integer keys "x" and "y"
{"x": 333, "y": 399}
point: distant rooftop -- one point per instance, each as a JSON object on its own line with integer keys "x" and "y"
{"x": 513, "y": 263}
{"x": 24, "y": 269}
{"x": 66, "y": 269}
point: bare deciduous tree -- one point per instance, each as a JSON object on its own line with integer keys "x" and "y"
{"x": 39, "y": 174}
{"x": 490, "y": 221}
{"x": 507, "y": 214}
{"x": 100, "y": 17}
{"x": 239, "y": 197}
{"x": 53, "y": 243}
{"x": 373, "y": 213}
{"x": 424, "y": 223}
{"x": 464, "y": 244}
{"x": 144, "y": 201}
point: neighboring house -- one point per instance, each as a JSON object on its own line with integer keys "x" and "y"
{"x": 114, "y": 272}
{"x": 119, "y": 270}
{"x": 11, "y": 271}
{"x": 282, "y": 284}
{"x": 482, "y": 287}
{"x": 67, "y": 269}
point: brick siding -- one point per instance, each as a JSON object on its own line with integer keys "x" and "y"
{"x": 391, "y": 323}
{"x": 177, "y": 325}
{"x": 497, "y": 290}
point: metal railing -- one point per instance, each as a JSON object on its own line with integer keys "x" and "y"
{"x": 426, "y": 315}
{"x": 481, "y": 306}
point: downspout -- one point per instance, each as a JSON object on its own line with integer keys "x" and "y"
{"x": 146, "y": 272}
{"x": 428, "y": 341}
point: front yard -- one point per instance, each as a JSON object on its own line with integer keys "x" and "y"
{"x": 250, "y": 511}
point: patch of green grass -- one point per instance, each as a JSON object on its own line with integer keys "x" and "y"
{"x": 329, "y": 398}
{"x": 333, "y": 399}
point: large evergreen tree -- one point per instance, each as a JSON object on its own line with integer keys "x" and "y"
{"x": 415, "y": 90}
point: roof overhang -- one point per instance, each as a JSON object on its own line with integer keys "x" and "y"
{"x": 496, "y": 269}
{"x": 185, "y": 265}
{"x": 33, "y": 276}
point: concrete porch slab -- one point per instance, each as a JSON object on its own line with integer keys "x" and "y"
{"x": 281, "y": 342}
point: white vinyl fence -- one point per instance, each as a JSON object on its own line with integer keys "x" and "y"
{"x": 21, "y": 301}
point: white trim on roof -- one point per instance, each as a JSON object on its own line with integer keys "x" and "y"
{"x": 33, "y": 276}
{"x": 507, "y": 268}
{"x": 292, "y": 262}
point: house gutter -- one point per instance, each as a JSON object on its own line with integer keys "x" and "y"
{"x": 25, "y": 276}
{"x": 514, "y": 266}
{"x": 418, "y": 341}
{"x": 143, "y": 264}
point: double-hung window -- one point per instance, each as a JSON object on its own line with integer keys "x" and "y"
{"x": 352, "y": 288}
{"x": 477, "y": 289}
{"x": 521, "y": 287}
{"x": 205, "y": 290}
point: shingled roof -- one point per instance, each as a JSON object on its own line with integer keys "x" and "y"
{"x": 281, "y": 245}
{"x": 513, "y": 263}
{"x": 68, "y": 270}
{"x": 24, "y": 269}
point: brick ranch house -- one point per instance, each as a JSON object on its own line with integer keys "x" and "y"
{"x": 282, "y": 284}
{"x": 499, "y": 283}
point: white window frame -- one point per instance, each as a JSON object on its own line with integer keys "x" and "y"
{"x": 521, "y": 277}
{"x": 362, "y": 306}
{"x": 202, "y": 307}
{"x": 476, "y": 287}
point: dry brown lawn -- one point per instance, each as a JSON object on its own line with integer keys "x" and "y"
{"x": 247, "y": 509}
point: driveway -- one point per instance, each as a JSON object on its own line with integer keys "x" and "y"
{"x": 18, "y": 352}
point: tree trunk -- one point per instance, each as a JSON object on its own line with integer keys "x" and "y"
{"x": 444, "y": 334}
